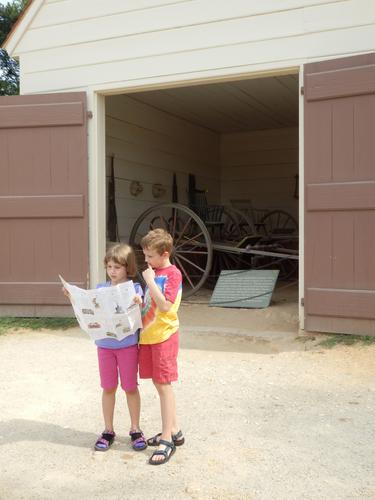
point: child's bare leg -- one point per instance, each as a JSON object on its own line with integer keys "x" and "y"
{"x": 168, "y": 413}
{"x": 134, "y": 405}
{"x": 138, "y": 439}
{"x": 108, "y": 405}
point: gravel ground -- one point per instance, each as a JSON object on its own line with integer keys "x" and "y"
{"x": 263, "y": 419}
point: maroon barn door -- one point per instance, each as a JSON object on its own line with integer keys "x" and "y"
{"x": 340, "y": 195}
{"x": 43, "y": 198}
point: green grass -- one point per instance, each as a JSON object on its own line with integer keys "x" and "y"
{"x": 8, "y": 324}
{"x": 334, "y": 340}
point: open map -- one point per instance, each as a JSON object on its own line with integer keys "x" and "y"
{"x": 107, "y": 312}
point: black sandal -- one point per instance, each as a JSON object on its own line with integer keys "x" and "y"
{"x": 170, "y": 448}
{"x": 178, "y": 439}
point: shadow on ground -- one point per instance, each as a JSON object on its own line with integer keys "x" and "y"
{"x": 15, "y": 430}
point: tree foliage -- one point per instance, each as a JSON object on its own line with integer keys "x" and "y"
{"x": 9, "y": 69}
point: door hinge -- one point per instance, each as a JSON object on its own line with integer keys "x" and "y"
{"x": 302, "y": 90}
{"x": 302, "y": 301}
{"x": 89, "y": 114}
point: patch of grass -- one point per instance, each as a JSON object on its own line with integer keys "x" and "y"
{"x": 334, "y": 340}
{"x": 8, "y": 324}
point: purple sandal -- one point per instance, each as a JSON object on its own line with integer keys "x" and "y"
{"x": 138, "y": 439}
{"x": 105, "y": 441}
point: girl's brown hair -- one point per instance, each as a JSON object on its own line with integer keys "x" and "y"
{"x": 124, "y": 255}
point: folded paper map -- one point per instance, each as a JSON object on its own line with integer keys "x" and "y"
{"x": 108, "y": 312}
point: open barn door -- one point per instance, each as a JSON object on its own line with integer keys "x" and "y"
{"x": 43, "y": 197}
{"x": 340, "y": 195}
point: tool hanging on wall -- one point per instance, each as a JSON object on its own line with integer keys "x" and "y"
{"x": 174, "y": 189}
{"x": 112, "y": 226}
{"x": 191, "y": 189}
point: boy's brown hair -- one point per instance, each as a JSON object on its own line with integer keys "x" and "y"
{"x": 124, "y": 255}
{"x": 159, "y": 240}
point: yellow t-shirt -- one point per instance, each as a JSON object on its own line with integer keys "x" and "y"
{"x": 158, "y": 326}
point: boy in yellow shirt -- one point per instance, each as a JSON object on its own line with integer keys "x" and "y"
{"x": 159, "y": 340}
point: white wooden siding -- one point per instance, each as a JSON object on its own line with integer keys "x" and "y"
{"x": 118, "y": 44}
{"x": 148, "y": 146}
{"x": 260, "y": 166}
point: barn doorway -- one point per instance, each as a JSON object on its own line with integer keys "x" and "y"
{"x": 236, "y": 141}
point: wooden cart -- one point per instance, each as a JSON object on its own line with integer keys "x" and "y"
{"x": 198, "y": 242}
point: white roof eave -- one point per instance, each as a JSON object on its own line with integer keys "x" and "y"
{"x": 21, "y": 27}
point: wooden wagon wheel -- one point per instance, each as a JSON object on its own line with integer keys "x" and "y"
{"x": 192, "y": 252}
{"x": 278, "y": 223}
{"x": 235, "y": 225}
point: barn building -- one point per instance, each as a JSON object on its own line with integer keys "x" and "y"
{"x": 270, "y": 101}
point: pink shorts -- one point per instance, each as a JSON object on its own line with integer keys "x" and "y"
{"x": 115, "y": 362}
{"x": 159, "y": 361}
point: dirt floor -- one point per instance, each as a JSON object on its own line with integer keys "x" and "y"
{"x": 266, "y": 415}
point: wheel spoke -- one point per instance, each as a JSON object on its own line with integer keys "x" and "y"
{"x": 278, "y": 219}
{"x": 192, "y": 251}
{"x": 138, "y": 239}
{"x": 190, "y": 239}
{"x": 191, "y": 263}
{"x": 174, "y": 218}
{"x": 287, "y": 219}
{"x": 184, "y": 271}
{"x": 183, "y": 230}
{"x": 162, "y": 220}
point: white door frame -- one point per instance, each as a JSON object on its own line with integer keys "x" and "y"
{"x": 97, "y": 186}
{"x": 301, "y": 207}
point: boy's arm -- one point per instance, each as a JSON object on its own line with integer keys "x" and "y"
{"x": 161, "y": 302}
{"x": 137, "y": 299}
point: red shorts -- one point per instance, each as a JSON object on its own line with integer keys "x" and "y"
{"x": 159, "y": 361}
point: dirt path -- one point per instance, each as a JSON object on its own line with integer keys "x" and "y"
{"x": 286, "y": 425}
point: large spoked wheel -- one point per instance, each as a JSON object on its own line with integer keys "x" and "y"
{"x": 279, "y": 224}
{"x": 192, "y": 252}
{"x": 235, "y": 225}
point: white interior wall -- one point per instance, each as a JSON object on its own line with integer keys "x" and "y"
{"x": 150, "y": 145}
{"x": 260, "y": 166}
